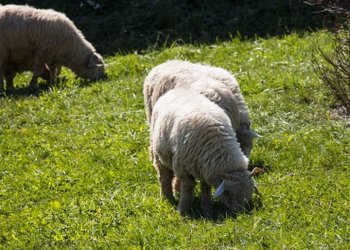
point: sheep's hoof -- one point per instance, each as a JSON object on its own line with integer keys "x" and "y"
{"x": 171, "y": 200}
{"x": 10, "y": 90}
{"x": 184, "y": 213}
{"x": 208, "y": 214}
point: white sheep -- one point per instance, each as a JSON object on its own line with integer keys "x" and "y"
{"x": 51, "y": 38}
{"x": 175, "y": 73}
{"x": 192, "y": 138}
{"x": 218, "y": 93}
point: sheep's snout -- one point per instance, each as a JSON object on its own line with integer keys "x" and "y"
{"x": 95, "y": 67}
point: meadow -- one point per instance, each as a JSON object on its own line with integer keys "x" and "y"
{"x": 75, "y": 170}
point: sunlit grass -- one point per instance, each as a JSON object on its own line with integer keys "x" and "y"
{"x": 75, "y": 170}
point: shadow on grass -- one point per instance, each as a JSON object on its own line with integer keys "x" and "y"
{"x": 43, "y": 87}
{"x": 25, "y": 91}
{"x": 220, "y": 212}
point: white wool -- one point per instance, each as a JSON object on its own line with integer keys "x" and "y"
{"x": 192, "y": 137}
{"x": 174, "y": 73}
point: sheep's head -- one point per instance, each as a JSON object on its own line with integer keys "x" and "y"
{"x": 95, "y": 67}
{"x": 245, "y": 137}
{"x": 236, "y": 189}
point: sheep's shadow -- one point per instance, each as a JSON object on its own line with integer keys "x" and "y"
{"x": 43, "y": 87}
{"x": 220, "y": 212}
{"x": 25, "y": 91}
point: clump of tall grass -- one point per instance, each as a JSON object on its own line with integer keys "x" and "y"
{"x": 334, "y": 67}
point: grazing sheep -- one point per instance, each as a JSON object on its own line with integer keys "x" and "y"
{"x": 218, "y": 93}
{"x": 192, "y": 138}
{"x": 174, "y": 73}
{"x": 51, "y": 38}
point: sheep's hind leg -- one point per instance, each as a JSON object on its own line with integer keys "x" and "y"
{"x": 1, "y": 83}
{"x": 165, "y": 177}
{"x": 2, "y": 88}
{"x": 186, "y": 195}
{"x": 9, "y": 76}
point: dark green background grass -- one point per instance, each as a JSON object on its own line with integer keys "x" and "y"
{"x": 125, "y": 26}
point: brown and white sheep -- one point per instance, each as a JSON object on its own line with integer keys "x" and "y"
{"x": 51, "y": 38}
{"x": 175, "y": 73}
{"x": 192, "y": 138}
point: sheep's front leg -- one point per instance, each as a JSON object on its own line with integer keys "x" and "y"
{"x": 186, "y": 194}
{"x": 38, "y": 69}
{"x": 33, "y": 82}
{"x": 47, "y": 74}
{"x": 165, "y": 177}
{"x": 206, "y": 199}
{"x": 54, "y": 71}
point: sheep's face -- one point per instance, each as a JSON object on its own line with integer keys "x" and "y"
{"x": 245, "y": 137}
{"x": 236, "y": 190}
{"x": 95, "y": 67}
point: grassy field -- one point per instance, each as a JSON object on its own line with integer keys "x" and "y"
{"x": 75, "y": 171}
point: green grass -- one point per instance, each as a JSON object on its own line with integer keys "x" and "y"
{"x": 75, "y": 171}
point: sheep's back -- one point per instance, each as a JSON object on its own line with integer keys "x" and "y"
{"x": 199, "y": 139}
{"x": 175, "y": 73}
{"x": 220, "y": 94}
{"x": 195, "y": 70}
{"x": 29, "y": 28}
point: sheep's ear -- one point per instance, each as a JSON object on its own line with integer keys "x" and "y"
{"x": 219, "y": 190}
{"x": 256, "y": 171}
{"x": 95, "y": 61}
{"x": 211, "y": 94}
{"x": 254, "y": 134}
